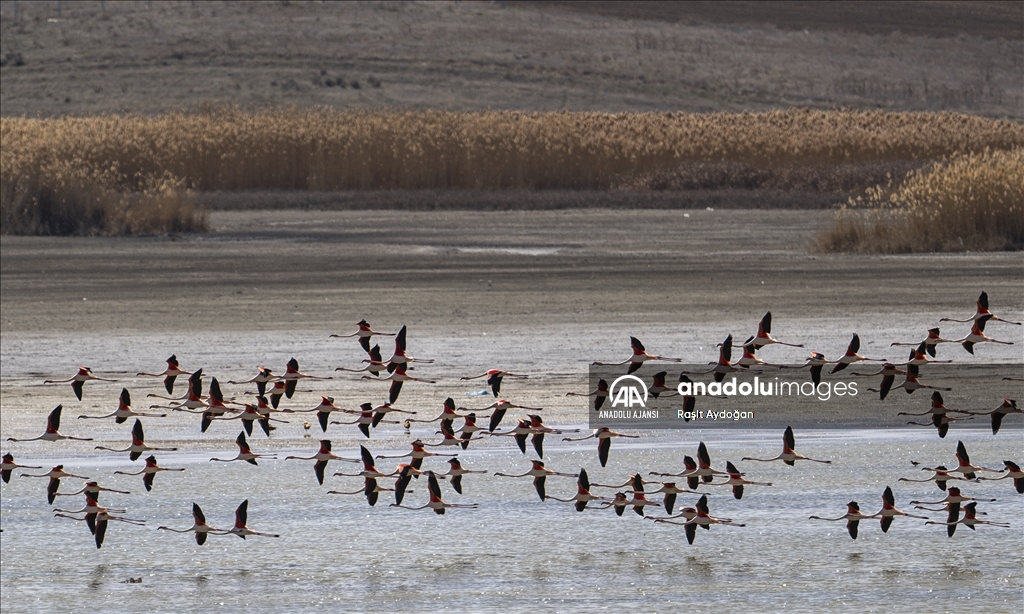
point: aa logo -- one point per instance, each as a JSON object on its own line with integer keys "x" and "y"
{"x": 628, "y": 393}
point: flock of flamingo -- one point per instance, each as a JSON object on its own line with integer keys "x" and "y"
{"x": 271, "y": 388}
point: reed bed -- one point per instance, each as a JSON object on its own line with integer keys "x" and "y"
{"x": 83, "y": 163}
{"x": 970, "y": 202}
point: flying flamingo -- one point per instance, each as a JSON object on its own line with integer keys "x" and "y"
{"x": 494, "y": 377}
{"x": 919, "y": 357}
{"x": 54, "y": 475}
{"x": 213, "y": 407}
{"x": 618, "y": 502}
{"x": 169, "y": 374}
{"x": 981, "y": 311}
{"x": 124, "y": 410}
{"x": 78, "y": 380}
{"x": 951, "y": 505}
{"x": 149, "y": 471}
{"x": 635, "y": 482}
{"x": 263, "y": 409}
{"x": 603, "y": 435}
{"x": 964, "y": 465}
{"x": 853, "y": 516}
{"x": 977, "y": 335}
{"x": 52, "y": 433}
{"x": 293, "y": 375}
{"x": 92, "y": 489}
{"x": 324, "y": 410}
{"x": 851, "y": 356}
{"x": 278, "y": 390}
{"x": 500, "y": 407}
{"x": 671, "y": 491}
{"x": 192, "y": 399}
{"x": 138, "y": 445}
{"x": 369, "y": 467}
{"x": 599, "y": 394}
{"x": 888, "y": 371}
{"x": 639, "y": 499}
{"x": 385, "y": 408}
{"x": 436, "y": 503}
{"x": 456, "y": 471}
{"x": 737, "y": 481}
{"x": 702, "y": 518}
{"x": 418, "y": 454}
{"x": 704, "y": 469}
{"x": 241, "y": 516}
{"x": 940, "y": 476}
{"x": 199, "y": 526}
{"x": 92, "y": 506}
{"x": 815, "y": 363}
{"x": 686, "y": 513}
{"x": 539, "y": 474}
{"x": 8, "y": 466}
{"x": 941, "y": 422}
{"x": 251, "y": 414}
{"x": 364, "y": 420}
{"x": 889, "y": 511}
{"x": 749, "y": 358}
{"x": 100, "y": 520}
{"x": 374, "y": 363}
{"x": 244, "y": 453}
{"x": 689, "y": 472}
{"x": 539, "y": 429}
{"x": 371, "y": 490}
{"x": 582, "y": 496}
{"x": 909, "y": 384}
{"x": 658, "y": 387}
{"x": 764, "y": 337}
{"x": 322, "y": 457}
{"x": 933, "y": 339}
{"x": 789, "y": 454}
{"x": 970, "y": 520}
{"x": 467, "y": 430}
{"x": 449, "y": 438}
{"x": 521, "y": 431}
{"x": 397, "y": 378}
{"x": 1013, "y": 471}
{"x": 448, "y": 414}
{"x": 952, "y": 498}
{"x": 1008, "y": 407}
{"x": 364, "y": 333}
{"x": 638, "y": 358}
{"x": 261, "y": 379}
{"x": 399, "y": 359}
{"x": 405, "y": 473}
{"x": 938, "y": 407}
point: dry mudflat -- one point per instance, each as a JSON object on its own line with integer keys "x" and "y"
{"x": 141, "y": 57}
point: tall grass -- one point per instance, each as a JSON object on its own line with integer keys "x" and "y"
{"x": 86, "y": 160}
{"x": 971, "y": 202}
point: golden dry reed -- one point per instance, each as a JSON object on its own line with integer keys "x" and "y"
{"x": 972, "y": 201}
{"x": 326, "y": 149}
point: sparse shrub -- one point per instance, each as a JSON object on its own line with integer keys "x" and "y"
{"x": 972, "y": 201}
